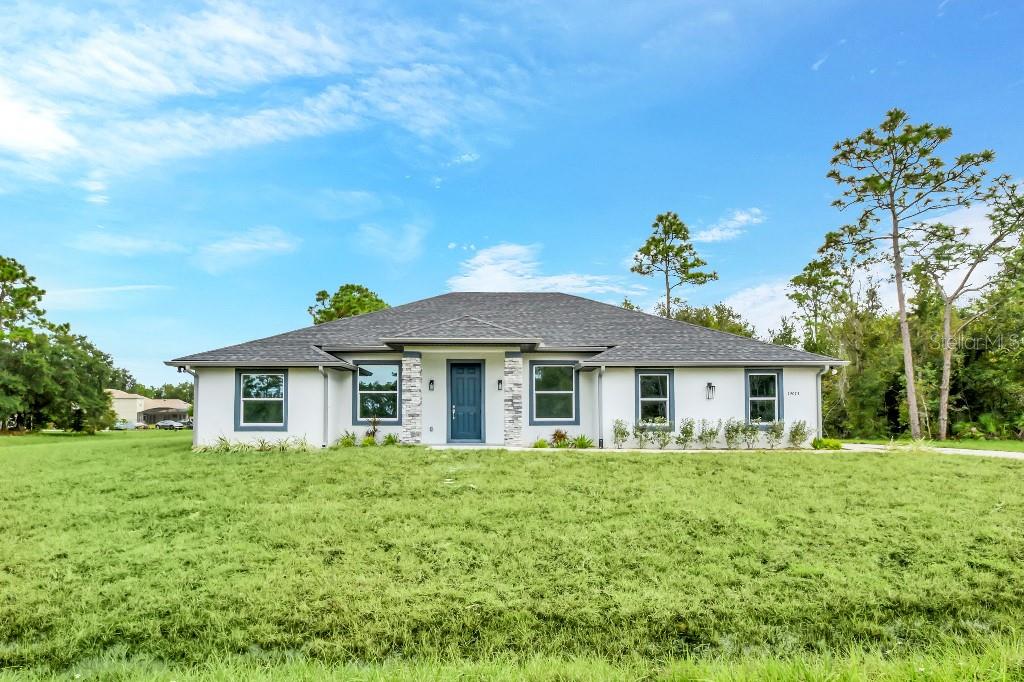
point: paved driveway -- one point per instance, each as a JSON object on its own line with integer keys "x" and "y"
{"x": 1005, "y": 454}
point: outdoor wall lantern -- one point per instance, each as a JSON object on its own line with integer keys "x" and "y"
{"x": 500, "y": 384}
{"x": 709, "y": 391}
{"x": 430, "y": 385}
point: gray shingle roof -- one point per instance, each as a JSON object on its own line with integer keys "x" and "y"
{"x": 559, "y": 320}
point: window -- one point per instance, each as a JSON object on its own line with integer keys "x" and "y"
{"x": 763, "y": 389}
{"x": 654, "y": 397}
{"x": 377, "y": 391}
{"x": 553, "y": 388}
{"x": 262, "y": 400}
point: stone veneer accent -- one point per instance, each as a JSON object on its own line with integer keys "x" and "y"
{"x": 513, "y": 407}
{"x": 412, "y": 397}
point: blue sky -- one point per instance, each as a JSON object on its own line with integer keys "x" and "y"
{"x": 185, "y": 178}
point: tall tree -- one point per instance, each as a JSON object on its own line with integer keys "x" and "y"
{"x": 718, "y": 316}
{"x": 894, "y": 177}
{"x": 347, "y": 301}
{"x": 668, "y": 251}
{"x": 950, "y": 257}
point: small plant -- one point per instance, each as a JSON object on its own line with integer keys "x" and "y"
{"x": 751, "y": 434}
{"x": 541, "y": 443}
{"x": 774, "y": 433}
{"x": 582, "y": 442}
{"x": 369, "y": 440}
{"x": 565, "y": 443}
{"x": 558, "y": 438}
{"x": 733, "y": 432}
{"x": 798, "y": 434}
{"x": 263, "y": 445}
{"x": 826, "y": 444}
{"x": 620, "y": 432}
{"x": 390, "y": 439}
{"x": 661, "y": 432}
{"x": 374, "y": 425}
{"x": 686, "y": 433}
{"x": 708, "y": 432}
{"x": 347, "y": 440}
{"x": 641, "y": 435}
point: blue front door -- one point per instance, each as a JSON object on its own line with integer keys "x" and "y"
{"x": 465, "y": 394}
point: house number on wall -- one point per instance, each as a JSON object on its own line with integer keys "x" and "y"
{"x": 792, "y": 392}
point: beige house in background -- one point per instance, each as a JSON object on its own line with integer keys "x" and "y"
{"x": 134, "y": 408}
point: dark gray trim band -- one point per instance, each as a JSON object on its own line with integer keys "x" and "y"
{"x": 412, "y": 354}
{"x": 239, "y": 371}
{"x": 355, "y": 393}
{"x": 575, "y": 390}
{"x": 513, "y": 354}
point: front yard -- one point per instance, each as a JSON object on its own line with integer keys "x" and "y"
{"x": 126, "y": 554}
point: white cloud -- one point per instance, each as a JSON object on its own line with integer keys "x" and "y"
{"x": 516, "y": 267}
{"x": 818, "y": 64}
{"x": 31, "y": 130}
{"x": 731, "y": 226}
{"x": 119, "y": 87}
{"x": 399, "y": 245}
{"x": 94, "y": 298}
{"x": 763, "y": 305}
{"x": 123, "y": 244}
{"x": 245, "y": 248}
{"x": 464, "y": 158}
{"x": 338, "y": 204}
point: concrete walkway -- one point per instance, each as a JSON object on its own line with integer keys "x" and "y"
{"x": 867, "y": 447}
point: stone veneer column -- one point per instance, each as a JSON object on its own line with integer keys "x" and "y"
{"x": 412, "y": 397}
{"x": 513, "y": 399}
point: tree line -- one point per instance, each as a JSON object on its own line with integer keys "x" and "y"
{"x": 949, "y": 360}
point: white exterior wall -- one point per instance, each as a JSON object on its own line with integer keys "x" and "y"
{"x": 128, "y": 409}
{"x": 215, "y": 404}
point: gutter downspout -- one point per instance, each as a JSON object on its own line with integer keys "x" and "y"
{"x": 323, "y": 372}
{"x": 195, "y": 403}
{"x": 600, "y": 407}
{"x": 817, "y": 386}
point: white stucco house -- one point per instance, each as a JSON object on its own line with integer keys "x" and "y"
{"x": 496, "y": 369}
{"x": 135, "y": 408}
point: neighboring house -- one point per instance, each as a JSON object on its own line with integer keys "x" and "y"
{"x": 495, "y": 368}
{"x": 134, "y": 408}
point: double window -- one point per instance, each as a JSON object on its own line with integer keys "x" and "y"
{"x": 554, "y": 391}
{"x": 763, "y": 390}
{"x": 654, "y": 399}
{"x": 262, "y": 396}
{"x": 377, "y": 391}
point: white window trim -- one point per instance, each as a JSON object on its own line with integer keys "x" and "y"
{"x": 667, "y": 399}
{"x": 774, "y": 400}
{"x": 397, "y": 393}
{"x": 243, "y": 400}
{"x": 572, "y": 392}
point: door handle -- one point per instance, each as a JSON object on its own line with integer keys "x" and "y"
{"x": 453, "y": 412}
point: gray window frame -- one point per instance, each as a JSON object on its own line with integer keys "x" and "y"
{"x": 779, "y": 402}
{"x": 356, "y": 421}
{"x": 541, "y": 421}
{"x": 243, "y": 371}
{"x": 665, "y": 371}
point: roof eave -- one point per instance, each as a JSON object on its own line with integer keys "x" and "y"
{"x": 338, "y": 364}
{"x": 592, "y": 362}
{"x": 457, "y": 341}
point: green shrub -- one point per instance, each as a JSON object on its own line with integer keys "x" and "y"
{"x": 684, "y": 438}
{"x": 560, "y": 439}
{"x": 826, "y": 444}
{"x": 775, "y": 433}
{"x": 708, "y": 432}
{"x": 540, "y": 443}
{"x": 733, "y": 432}
{"x": 347, "y": 440}
{"x": 563, "y": 444}
{"x": 582, "y": 442}
{"x": 620, "y": 432}
{"x": 369, "y": 440}
{"x": 751, "y": 434}
{"x": 662, "y": 433}
{"x": 798, "y": 434}
{"x": 641, "y": 435}
{"x": 391, "y": 439}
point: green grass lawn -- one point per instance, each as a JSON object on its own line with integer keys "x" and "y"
{"x": 127, "y": 556}
{"x": 1006, "y": 445}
